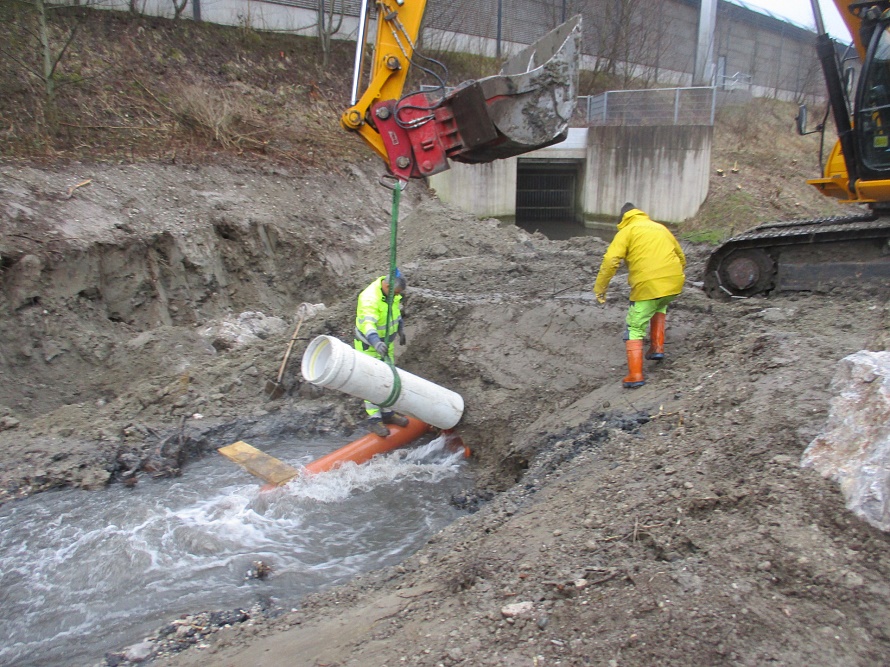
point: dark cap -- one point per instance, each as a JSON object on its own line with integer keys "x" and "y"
{"x": 398, "y": 280}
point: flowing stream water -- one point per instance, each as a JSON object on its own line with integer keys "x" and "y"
{"x": 560, "y": 230}
{"x": 83, "y": 573}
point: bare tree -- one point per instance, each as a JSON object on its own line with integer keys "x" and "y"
{"x": 42, "y": 48}
{"x": 178, "y": 8}
{"x": 658, "y": 30}
{"x": 630, "y": 39}
{"x": 329, "y": 22}
{"x": 809, "y": 80}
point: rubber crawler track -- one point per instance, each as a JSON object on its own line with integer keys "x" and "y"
{"x": 772, "y": 237}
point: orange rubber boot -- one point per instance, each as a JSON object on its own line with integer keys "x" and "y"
{"x": 634, "y": 364}
{"x": 656, "y": 337}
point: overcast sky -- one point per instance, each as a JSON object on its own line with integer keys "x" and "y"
{"x": 801, "y": 12}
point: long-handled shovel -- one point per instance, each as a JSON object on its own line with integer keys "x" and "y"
{"x": 274, "y": 388}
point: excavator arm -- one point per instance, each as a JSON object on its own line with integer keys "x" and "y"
{"x": 398, "y": 25}
{"x": 526, "y": 106}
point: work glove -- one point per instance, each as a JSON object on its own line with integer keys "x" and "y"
{"x": 402, "y": 337}
{"x": 600, "y": 297}
{"x": 375, "y": 341}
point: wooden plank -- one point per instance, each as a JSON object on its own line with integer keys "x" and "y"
{"x": 258, "y": 463}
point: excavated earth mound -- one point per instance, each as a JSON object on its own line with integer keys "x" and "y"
{"x": 144, "y": 311}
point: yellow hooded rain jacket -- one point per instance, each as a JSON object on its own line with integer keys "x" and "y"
{"x": 655, "y": 261}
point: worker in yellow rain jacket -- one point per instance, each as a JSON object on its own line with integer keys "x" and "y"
{"x": 655, "y": 264}
{"x": 374, "y": 339}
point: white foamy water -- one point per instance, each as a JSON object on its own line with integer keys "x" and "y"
{"x": 82, "y": 573}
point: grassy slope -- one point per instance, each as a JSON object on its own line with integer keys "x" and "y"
{"x": 139, "y": 87}
{"x": 147, "y": 88}
{"x": 765, "y": 165}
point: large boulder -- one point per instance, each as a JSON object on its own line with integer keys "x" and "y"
{"x": 854, "y": 448}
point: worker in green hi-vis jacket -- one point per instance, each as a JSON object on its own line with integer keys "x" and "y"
{"x": 372, "y": 337}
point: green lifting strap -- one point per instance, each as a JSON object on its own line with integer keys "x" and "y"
{"x": 393, "y": 234}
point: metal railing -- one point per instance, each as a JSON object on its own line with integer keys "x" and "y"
{"x": 738, "y": 81}
{"x": 661, "y": 106}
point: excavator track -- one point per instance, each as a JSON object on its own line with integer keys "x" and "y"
{"x": 811, "y": 255}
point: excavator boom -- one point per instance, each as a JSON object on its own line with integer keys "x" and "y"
{"x": 526, "y": 106}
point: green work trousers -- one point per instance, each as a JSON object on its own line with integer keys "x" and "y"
{"x": 640, "y": 312}
{"x": 373, "y": 410}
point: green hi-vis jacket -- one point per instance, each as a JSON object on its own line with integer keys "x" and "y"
{"x": 655, "y": 261}
{"x": 370, "y": 314}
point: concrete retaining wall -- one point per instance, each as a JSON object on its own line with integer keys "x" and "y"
{"x": 486, "y": 190}
{"x": 766, "y": 55}
{"x": 662, "y": 169}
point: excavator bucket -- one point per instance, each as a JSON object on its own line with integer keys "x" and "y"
{"x": 531, "y": 101}
{"x": 527, "y": 106}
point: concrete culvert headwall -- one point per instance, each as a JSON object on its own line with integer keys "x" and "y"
{"x": 662, "y": 169}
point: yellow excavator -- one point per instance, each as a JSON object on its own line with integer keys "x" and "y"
{"x": 527, "y": 106}
{"x": 818, "y": 255}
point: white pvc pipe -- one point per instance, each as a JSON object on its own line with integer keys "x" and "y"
{"x": 331, "y": 363}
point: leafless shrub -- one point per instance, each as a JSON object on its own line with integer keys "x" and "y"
{"x": 218, "y": 116}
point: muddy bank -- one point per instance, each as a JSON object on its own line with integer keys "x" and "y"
{"x": 666, "y": 525}
{"x": 137, "y": 334}
{"x": 144, "y": 310}
{"x": 670, "y": 525}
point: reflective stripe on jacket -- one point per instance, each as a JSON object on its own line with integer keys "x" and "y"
{"x": 655, "y": 261}
{"x": 370, "y": 314}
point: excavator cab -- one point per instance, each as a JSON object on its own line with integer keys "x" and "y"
{"x": 873, "y": 108}
{"x": 858, "y": 169}
{"x": 527, "y": 106}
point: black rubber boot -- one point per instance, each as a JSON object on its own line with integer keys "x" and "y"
{"x": 394, "y": 418}
{"x": 375, "y": 426}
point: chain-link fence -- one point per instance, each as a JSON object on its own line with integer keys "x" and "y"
{"x": 663, "y": 106}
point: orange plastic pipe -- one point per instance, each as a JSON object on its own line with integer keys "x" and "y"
{"x": 364, "y": 448}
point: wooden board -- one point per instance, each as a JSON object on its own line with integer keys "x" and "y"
{"x": 258, "y": 463}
